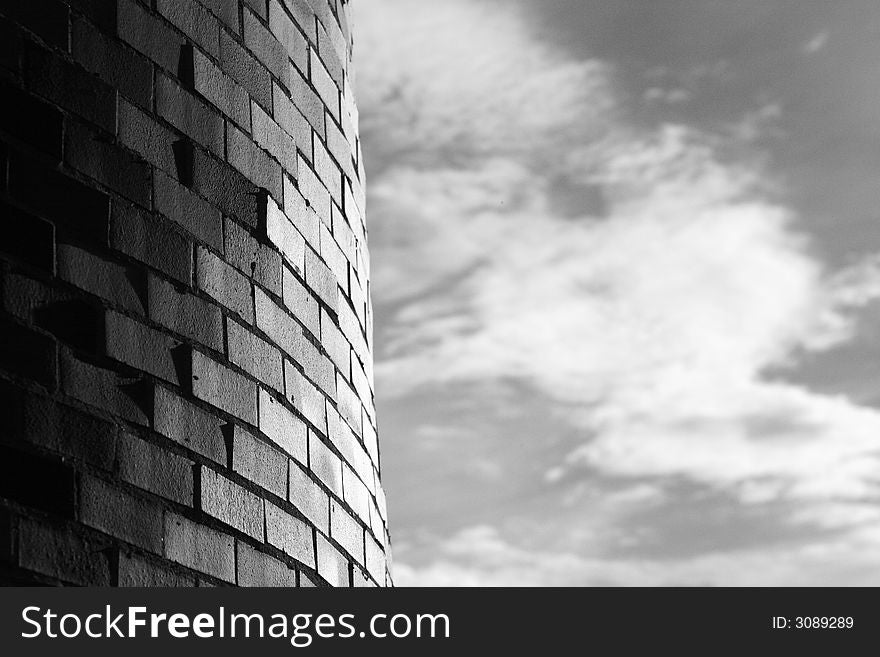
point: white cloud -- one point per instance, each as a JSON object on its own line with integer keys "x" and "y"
{"x": 650, "y": 324}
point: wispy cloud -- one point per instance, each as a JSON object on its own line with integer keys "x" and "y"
{"x": 644, "y": 280}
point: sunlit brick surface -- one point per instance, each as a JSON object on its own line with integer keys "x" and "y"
{"x": 186, "y": 354}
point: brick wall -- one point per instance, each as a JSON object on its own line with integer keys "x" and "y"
{"x": 185, "y": 361}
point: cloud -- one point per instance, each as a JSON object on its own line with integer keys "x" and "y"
{"x": 649, "y": 320}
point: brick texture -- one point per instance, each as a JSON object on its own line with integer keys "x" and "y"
{"x": 184, "y": 311}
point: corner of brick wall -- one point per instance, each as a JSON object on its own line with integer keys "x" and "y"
{"x": 186, "y": 328}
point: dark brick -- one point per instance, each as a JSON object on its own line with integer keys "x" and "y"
{"x": 103, "y": 389}
{"x": 259, "y": 569}
{"x": 30, "y": 120}
{"x": 149, "y": 34}
{"x": 200, "y": 548}
{"x": 251, "y": 257}
{"x": 253, "y": 162}
{"x": 231, "y": 504}
{"x": 192, "y": 19}
{"x": 143, "y": 134}
{"x": 189, "y": 211}
{"x": 188, "y": 425}
{"x": 152, "y": 468}
{"x": 188, "y": 114}
{"x": 226, "y": 188}
{"x": 226, "y": 11}
{"x": 101, "y": 12}
{"x": 245, "y": 70}
{"x": 28, "y": 239}
{"x": 151, "y": 240}
{"x": 71, "y": 87}
{"x": 108, "y": 280}
{"x": 78, "y": 211}
{"x": 259, "y": 462}
{"x": 185, "y": 314}
{"x": 56, "y": 552}
{"x": 218, "y": 88}
{"x": 136, "y": 571}
{"x": 121, "y": 67}
{"x": 224, "y": 388}
{"x": 37, "y": 481}
{"x": 255, "y": 356}
{"x": 225, "y": 284}
{"x": 96, "y": 156}
{"x": 123, "y": 516}
{"x": 28, "y": 354}
{"x": 290, "y": 535}
{"x": 267, "y": 48}
{"x": 47, "y": 19}
{"x": 282, "y": 427}
{"x": 140, "y": 346}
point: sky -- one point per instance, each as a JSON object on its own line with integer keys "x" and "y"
{"x": 625, "y": 262}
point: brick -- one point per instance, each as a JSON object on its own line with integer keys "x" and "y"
{"x": 40, "y": 482}
{"x": 259, "y": 462}
{"x": 325, "y": 464}
{"x": 290, "y": 535}
{"x": 332, "y": 565}
{"x": 332, "y": 61}
{"x": 291, "y": 38}
{"x": 222, "y": 282}
{"x": 118, "y": 514}
{"x": 340, "y": 149}
{"x": 135, "y": 571}
{"x": 304, "y": 17}
{"x": 189, "y": 115}
{"x": 376, "y": 560}
{"x": 284, "y": 235}
{"x": 57, "y": 552}
{"x": 335, "y": 344}
{"x": 309, "y": 498}
{"x": 314, "y": 192}
{"x": 358, "y": 302}
{"x": 108, "y": 280}
{"x": 149, "y": 35}
{"x": 307, "y": 101}
{"x": 306, "y": 398}
{"x": 48, "y": 20}
{"x": 349, "y": 405}
{"x": 351, "y": 327}
{"x": 291, "y": 120}
{"x": 371, "y": 442}
{"x": 321, "y": 280}
{"x": 255, "y": 356}
{"x": 77, "y": 210}
{"x": 223, "y": 388}
{"x": 259, "y": 569}
{"x": 226, "y": 188}
{"x": 151, "y": 240}
{"x": 335, "y": 259}
{"x": 245, "y": 70}
{"x": 253, "y": 162}
{"x": 102, "y": 388}
{"x": 26, "y": 238}
{"x": 30, "y": 120}
{"x": 189, "y": 211}
{"x": 194, "y": 21}
{"x": 185, "y": 313}
{"x": 118, "y": 66}
{"x": 154, "y": 469}
{"x": 188, "y": 425}
{"x": 270, "y": 137}
{"x": 259, "y": 7}
{"x": 140, "y": 347}
{"x": 220, "y": 90}
{"x": 146, "y": 136}
{"x": 324, "y": 85}
{"x": 200, "y": 548}
{"x": 267, "y": 48}
{"x": 252, "y": 258}
{"x": 362, "y": 387}
{"x": 332, "y": 44}
{"x": 302, "y": 216}
{"x": 231, "y": 504}
{"x": 282, "y": 427}
{"x": 327, "y": 170}
{"x": 300, "y": 302}
{"x": 226, "y": 11}
{"x": 356, "y": 494}
{"x": 94, "y": 155}
{"x": 360, "y": 579}
{"x": 346, "y": 531}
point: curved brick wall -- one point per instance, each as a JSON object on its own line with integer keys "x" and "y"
{"x": 186, "y": 323}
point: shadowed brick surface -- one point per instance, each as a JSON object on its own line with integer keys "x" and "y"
{"x": 183, "y": 289}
